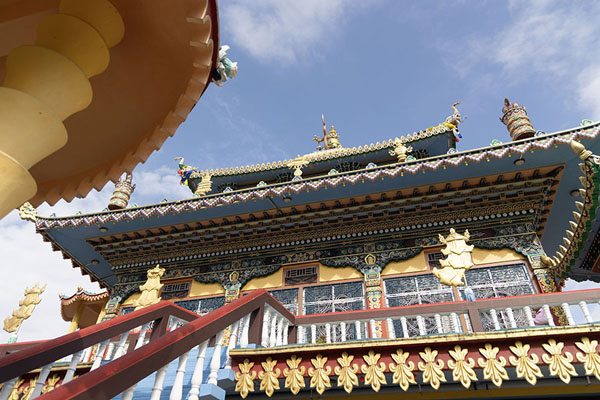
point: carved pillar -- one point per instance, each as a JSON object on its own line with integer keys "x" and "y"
{"x": 372, "y": 275}
{"x": 546, "y": 280}
{"x": 232, "y": 292}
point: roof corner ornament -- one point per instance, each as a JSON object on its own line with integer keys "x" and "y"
{"x": 454, "y": 120}
{"x": 400, "y": 150}
{"x": 27, "y": 212}
{"x": 122, "y": 193}
{"x": 516, "y": 120}
{"x": 151, "y": 289}
{"x": 26, "y": 308}
{"x": 458, "y": 260}
{"x": 225, "y": 69}
{"x": 297, "y": 164}
{"x": 331, "y": 140}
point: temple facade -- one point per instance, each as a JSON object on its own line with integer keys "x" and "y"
{"x": 398, "y": 268}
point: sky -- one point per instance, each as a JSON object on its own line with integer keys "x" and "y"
{"x": 376, "y": 70}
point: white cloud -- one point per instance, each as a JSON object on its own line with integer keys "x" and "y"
{"x": 556, "y": 42}
{"x": 153, "y": 186}
{"x": 27, "y": 259}
{"x": 283, "y": 31}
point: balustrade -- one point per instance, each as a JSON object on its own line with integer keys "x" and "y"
{"x": 257, "y": 319}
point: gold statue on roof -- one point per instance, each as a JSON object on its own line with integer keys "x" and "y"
{"x": 151, "y": 289}
{"x": 400, "y": 150}
{"x": 458, "y": 260}
{"x": 26, "y": 307}
{"x": 331, "y": 140}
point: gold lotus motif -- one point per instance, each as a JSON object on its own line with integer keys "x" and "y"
{"x": 559, "y": 365}
{"x": 525, "y": 365}
{"x": 402, "y": 370}
{"x": 268, "y": 377}
{"x": 320, "y": 374}
{"x": 589, "y": 357}
{"x": 374, "y": 374}
{"x": 245, "y": 378}
{"x": 432, "y": 368}
{"x": 462, "y": 369}
{"x": 294, "y": 377}
{"x": 493, "y": 368}
{"x": 346, "y": 372}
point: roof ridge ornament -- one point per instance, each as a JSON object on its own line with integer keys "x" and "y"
{"x": 516, "y": 120}
{"x": 453, "y": 120}
{"x": 331, "y": 140}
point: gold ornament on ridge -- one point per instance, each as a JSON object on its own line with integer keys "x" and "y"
{"x": 268, "y": 377}
{"x": 462, "y": 369}
{"x": 346, "y": 372}
{"x": 245, "y": 378}
{"x": 294, "y": 377}
{"x": 493, "y": 368}
{"x": 432, "y": 368}
{"x": 402, "y": 370}
{"x": 374, "y": 374}
{"x": 320, "y": 374}
{"x": 589, "y": 357}
{"x": 559, "y": 365}
{"x": 525, "y": 364}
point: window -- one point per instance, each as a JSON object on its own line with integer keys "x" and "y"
{"x": 287, "y": 297}
{"x": 126, "y": 310}
{"x": 501, "y": 281}
{"x": 419, "y": 289}
{"x": 297, "y": 276}
{"x": 202, "y": 306}
{"x": 175, "y": 290}
{"x": 333, "y": 298}
{"x": 433, "y": 259}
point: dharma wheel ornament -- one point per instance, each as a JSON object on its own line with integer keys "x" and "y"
{"x": 122, "y": 194}
{"x": 516, "y": 120}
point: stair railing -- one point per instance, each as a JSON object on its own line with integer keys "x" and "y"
{"x": 240, "y": 320}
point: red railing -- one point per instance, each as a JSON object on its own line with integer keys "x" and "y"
{"x": 116, "y": 376}
{"x": 46, "y": 352}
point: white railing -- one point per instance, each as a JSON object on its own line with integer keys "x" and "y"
{"x": 275, "y": 328}
{"x": 575, "y": 313}
{"x": 377, "y": 328}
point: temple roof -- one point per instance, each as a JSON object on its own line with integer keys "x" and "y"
{"x": 541, "y": 152}
{"x": 338, "y": 153}
{"x": 90, "y": 304}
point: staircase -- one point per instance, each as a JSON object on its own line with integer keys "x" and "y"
{"x": 160, "y": 352}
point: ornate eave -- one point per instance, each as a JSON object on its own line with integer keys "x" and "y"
{"x": 374, "y": 193}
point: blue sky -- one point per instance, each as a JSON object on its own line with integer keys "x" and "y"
{"x": 376, "y": 69}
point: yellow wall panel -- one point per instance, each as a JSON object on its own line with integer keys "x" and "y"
{"x": 265, "y": 282}
{"x": 206, "y": 289}
{"x": 484, "y": 256}
{"x": 415, "y": 264}
{"x": 328, "y": 274}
